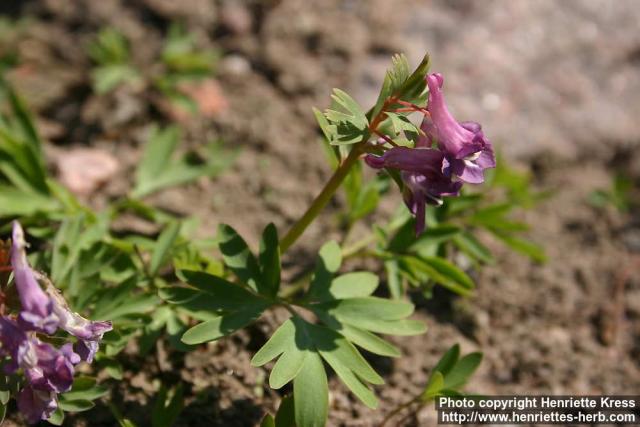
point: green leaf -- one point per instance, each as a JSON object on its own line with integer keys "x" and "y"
{"x": 21, "y": 163}
{"x": 400, "y": 123}
{"x": 287, "y": 366}
{"x": 311, "y": 393}
{"x": 328, "y": 263}
{"x": 156, "y": 158}
{"x": 276, "y": 345}
{"x": 394, "y": 282}
{"x": 348, "y": 123}
{"x": 163, "y": 247}
{"x": 370, "y": 308}
{"x": 269, "y": 258}
{"x": 530, "y": 249}
{"x": 16, "y": 202}
{"x": 434, "y": 236}
{"x": 113, "y": 368}
{"x": 57, "y": 418}
{"x": 167, "y": 407}
{"x": 268, "y": 421}
{"x": 325, "y": 127}
{"x": 134, "y": 304}
{"x": 85, "y": 388}
{"x": 352, "y": 285}
{"x": 464, "y": 368}
{"x": 109, "y": 47}
{"x": 340, "y": 353}
{"x": 108, "y": 77}
{"x": 75, "y": 235}
{"x": 291, "y": 342}
{"x": 208, "y": 292}
{"x": 238, "y": 257}
{"x": 452, "y": 274}
{"x": 399, "y": 82}
{"x": 224, "y": 325}
{"x": 439, "y": 270}
{"x": 26, "y": 123}
{"x": 369, "y": 341}
{"x": 471, "y": 246}
{"x": 448, "y": 360}
{"x": 159, "y": 169}
{"x": 372, "y": 314}
{"x": 285, "y": 417}
{"x": 435, "y": 385}
{"x": 75, "y": 405}
{"x": 358, "y": 118}
{"x": 297, "y": 340}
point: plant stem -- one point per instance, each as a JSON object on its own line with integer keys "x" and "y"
{"x": 334, "y": 182}
{"x": 321, "y": 200}
{"x": 398, "y": 409}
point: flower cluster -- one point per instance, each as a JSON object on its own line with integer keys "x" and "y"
{"x": 48, "y": 370}
{"x": 448, "y": 154}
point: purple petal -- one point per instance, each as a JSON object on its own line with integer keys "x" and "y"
{"x": 442, "y": 188}
{"x": 46, "y": 367}
{"x": 87, "y": 350}
{"x": 454, "y": 139}
{"x": 37, "y": 311}
{"x": 72, "y": 322}
{"x": 420, "y": 160}
{"x": 487, "y": 158}
{"x": 474, "y": 127}
{"x": 36, "y": 405}
{"x": 11, "y": 337}
{"x": 72, "y": 356}
{"x": 376, "y": 162}
{"x": 468, "y": 171}
{"x": 420, "y": 190}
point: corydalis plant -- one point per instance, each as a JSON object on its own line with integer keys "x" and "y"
{"x": 446, "y": 155}
{"x": 47, "y": 370}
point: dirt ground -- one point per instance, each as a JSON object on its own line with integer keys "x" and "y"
{"x": 555, "y": 84}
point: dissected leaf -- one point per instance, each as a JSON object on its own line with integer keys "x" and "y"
{"x": 471, "y": 246}
{"x": 352, "y": 285}
{"x": 238, "y": 257}
{"x": 163, "y": 247}
{"x": 167, "y": 406}
{"x": 328, "y": 263}
{"x": 224, "y": 325}
{"x": 285, "y": 417}
{"x": 463, "y": 369}
{"x": 311, "y": 393}
{"x": 270, "y": 260}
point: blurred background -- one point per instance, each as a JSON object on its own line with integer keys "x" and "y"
{"x": 555, "y": 84}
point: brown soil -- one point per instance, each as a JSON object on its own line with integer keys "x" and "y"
{"x": 571, "y": 325}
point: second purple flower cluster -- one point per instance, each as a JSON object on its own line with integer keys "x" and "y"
{"x": 48, "y": 370}
{"x": 449, "y": 154}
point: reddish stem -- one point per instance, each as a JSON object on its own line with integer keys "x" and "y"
{"x": 386, "y": 138}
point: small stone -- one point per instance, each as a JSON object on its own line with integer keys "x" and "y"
{"x": 235, "y": 65}
{"x": 84, "y": 170}
{"x": 236, "y": 18}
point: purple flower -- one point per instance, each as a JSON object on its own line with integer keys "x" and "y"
{"x": 421, "y": 190}
{"x": 45, "y": 367}
{"x": 36, "y": 405}
{"x": 86, "y": 349}
{"x": 88, "y": 332}
{"x": 37, "y": 308}
{"x": 467, "y": 151}
{"x": 422, "y": 176}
